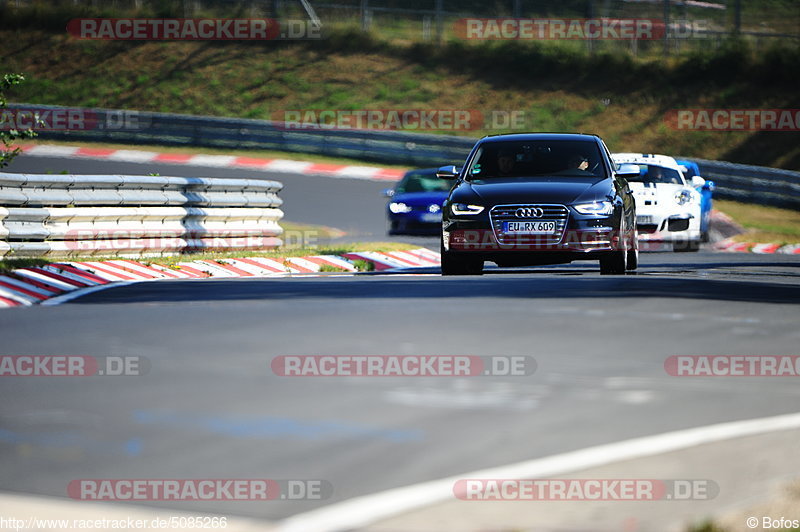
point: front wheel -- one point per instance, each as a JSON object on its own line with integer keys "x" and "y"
{"x": 453, "y": 264}
{"x": 614, "y": 262}
{"x": 633, "y": 253}
{"x": 692, "y": 246}
{"x": 632, "y": 260}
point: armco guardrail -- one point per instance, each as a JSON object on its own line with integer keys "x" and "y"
{"x": 755, "y": 184}
{"x": 77, "y": 215}
{"x": 138, "y": 127}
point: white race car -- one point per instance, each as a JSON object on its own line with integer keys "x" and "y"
{"x": 667, "y": 207}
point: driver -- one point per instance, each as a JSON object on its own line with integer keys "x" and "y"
{"x": 505, "y": 162}
{"x": 579, "y": 162}
{"x": 655, "y": 174}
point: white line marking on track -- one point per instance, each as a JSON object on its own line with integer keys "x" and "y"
{"x": 367, "y": 509}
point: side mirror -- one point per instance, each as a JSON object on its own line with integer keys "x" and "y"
{"x": 447, "y": 172}
{"x": 628, "y": 171}
{"x": 698, "y": 181}
{"x": 387, "y": 192}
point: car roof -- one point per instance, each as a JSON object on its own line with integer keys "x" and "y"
{"x": 646, "y": 158}
{"x": 539, "y": 136}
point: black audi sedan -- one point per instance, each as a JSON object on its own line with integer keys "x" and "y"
{"x": 534, "y": 199}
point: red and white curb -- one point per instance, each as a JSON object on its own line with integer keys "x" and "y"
{"x": 729, "y": 246}
{"x": 37, "y": 284}
{"x": 370, "y": 173}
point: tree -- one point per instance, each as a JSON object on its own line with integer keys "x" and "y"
{"x": 8, "y": 136}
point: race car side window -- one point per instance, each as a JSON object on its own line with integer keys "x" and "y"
{"x": 610, "y": 165}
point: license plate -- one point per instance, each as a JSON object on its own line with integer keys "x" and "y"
{"x": 644, "y": 219}
{"x": 544, "y": 227}
{"x": 431, "y": 217}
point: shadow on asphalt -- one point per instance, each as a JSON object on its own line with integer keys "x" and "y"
{"x": 730, "y": 264}
{"x": 430, "y": 287}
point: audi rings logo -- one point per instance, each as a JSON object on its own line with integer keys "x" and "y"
{"x": 529, "y": 212}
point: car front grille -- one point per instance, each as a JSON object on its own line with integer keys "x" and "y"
{"x": 506, "y": 213}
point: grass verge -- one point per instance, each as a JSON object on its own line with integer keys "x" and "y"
{"x": 7, "y": 265}
{"x": 763, "y": 224}
{"x": 550, "y": 86}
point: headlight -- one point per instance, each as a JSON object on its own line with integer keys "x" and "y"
{"x": 603, "y": 208}
{"x": 434, "y": 208}
{"x": 399, "y": 207}
{"x": 462, "y": 208}
{"x": 683, "y": 197}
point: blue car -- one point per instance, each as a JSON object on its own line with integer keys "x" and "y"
{"x": 415, "y": 206}
{"x": 705, "y": 190}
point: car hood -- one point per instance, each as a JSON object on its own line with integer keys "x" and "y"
{"x": 638, "y": 186}
{"x": 420, "y": 198}
{"x": 561, "y": 190}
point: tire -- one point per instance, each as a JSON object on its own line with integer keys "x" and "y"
{"x": 692, "y": 246}
{"x": 632, "y": 260}
{"x": 455, "y": 265}
{"x": 614, "y": 263}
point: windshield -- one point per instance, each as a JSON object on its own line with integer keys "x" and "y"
{"x": 650, "y": 173}
{"x": 422, "y": 182}
{"x": 567, "y": 158}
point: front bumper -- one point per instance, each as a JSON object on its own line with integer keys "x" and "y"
{"x": 680, "y": 227}
{"x": 577, "y": 236}
{"x": 415, "y": 222}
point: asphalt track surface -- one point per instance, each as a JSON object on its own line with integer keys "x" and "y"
{"x": 211, "y": 407}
